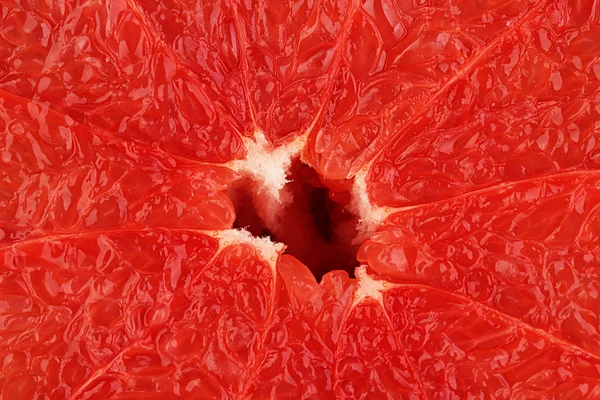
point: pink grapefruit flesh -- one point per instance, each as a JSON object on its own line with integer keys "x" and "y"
{"x": 388, "y": 199}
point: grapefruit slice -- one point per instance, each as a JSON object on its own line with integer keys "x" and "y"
{"x": 234, "y": 200}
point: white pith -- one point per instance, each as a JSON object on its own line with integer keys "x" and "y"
{"x": 266, "y": 165}
{"x": 369, "y": 287}
{"x": 266, "y": 249}
{"x": 369, "y": 215}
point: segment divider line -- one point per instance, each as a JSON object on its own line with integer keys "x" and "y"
{"x": 468, "y": 66}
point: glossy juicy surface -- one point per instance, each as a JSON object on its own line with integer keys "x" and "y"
{"x": 475, "y": 123}
{"x": 524, "y": 108}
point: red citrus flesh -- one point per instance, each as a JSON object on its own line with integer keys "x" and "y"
{"x": 450, "y": 147}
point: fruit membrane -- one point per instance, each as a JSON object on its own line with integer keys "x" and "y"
{"x": 383, "y": 199}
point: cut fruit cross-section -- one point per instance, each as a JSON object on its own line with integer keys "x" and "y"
{"x": 384, "y": 199}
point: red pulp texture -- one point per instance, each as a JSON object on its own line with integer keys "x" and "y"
{"x": 472, "y": 126}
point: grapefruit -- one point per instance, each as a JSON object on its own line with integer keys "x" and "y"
{"x": 387, "y": 199}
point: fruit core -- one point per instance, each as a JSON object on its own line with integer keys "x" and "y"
{"x": 315, "y": 229}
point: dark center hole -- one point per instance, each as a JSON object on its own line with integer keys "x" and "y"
{"x": 315, "y": 229}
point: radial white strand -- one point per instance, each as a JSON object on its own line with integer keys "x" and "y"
{"x": 369, "y": 287}
{"x": 266, "y": 165}
{"x": 267, "y": 249}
